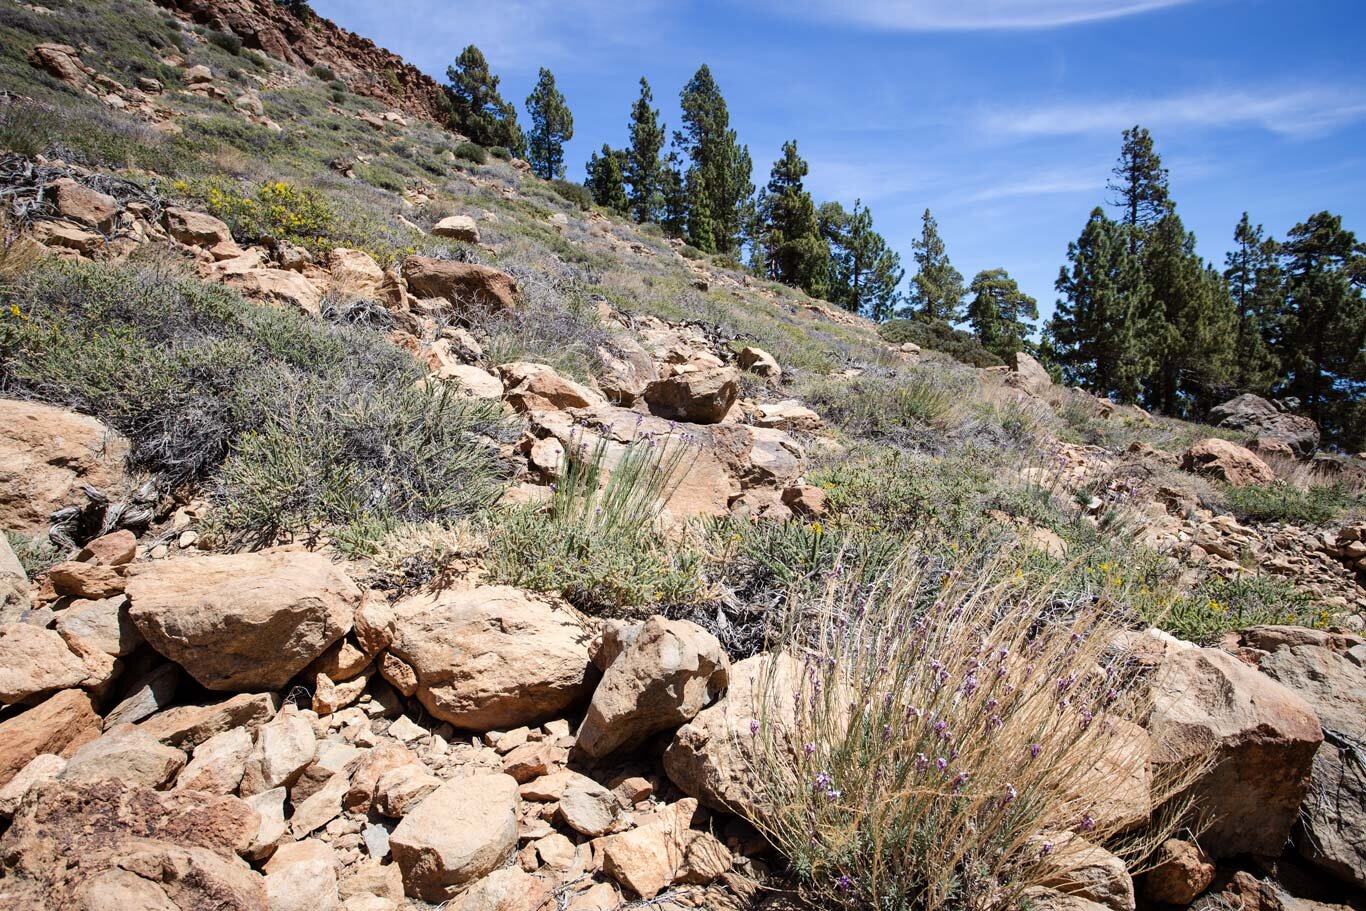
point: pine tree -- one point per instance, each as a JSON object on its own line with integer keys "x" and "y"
{"x": 477, "y": 110}
{"x": 794, "y": 252}
{"x": 864, "y": 271}
{"x": 1096, "y": 333}
{"x": 1253, "y": 274}
{"x": 645, "y": 169}
{"x": 1140, "y": 183}
{"x": 674, "y": 191}
{"x": 552, "y": 125}
{"x": 937, "y": 287}
{"x": 1324, "y": 344}
{"x": 999, "y": 313}
{"x": 605, "y": 182}
{"x": 718, "y": 179}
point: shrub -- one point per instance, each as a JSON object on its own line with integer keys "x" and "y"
{"x": 277, "y": 210}
{"x": 878, "y": 408}
{"x": 928, "y": 744}
{"x": 1218, "y": 606}
{"x": 1282, "y": 502}
{"x": 225, "y": 40}
{"x": 599, "y": 543}
{"x": 688, "y": 251}
{"x": 938, "y": 335}
{"x": 323, "y": 73}
{"x": 575, "y": 193}
{"x": 500, "y": 153}
{"x": 472, "y": 152}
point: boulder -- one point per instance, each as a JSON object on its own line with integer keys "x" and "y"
{"x": 473, "y": 381}
{"x": 1077, "y": 867}
{"x": 627, "y": 369}
{"x": 701, "y": 397}
{"x": 670, "y": 671}
{"x": 276, "y": 286}
{"x": 47, "y": 455}
{"x": 587, "y": 807}
{"x": 1254, "y": 414}
{"x": 1227, "y": 462}
{"x": 285, "y": 745}
{"x": 35, "y": 661}
{"x": 187, "y": 726}
{"x": 713, "y": 756}
{"x": 790, "y": 415}
{"x": 195, "y": 229}
{"x": 137, "y": 848}
{"x": 62, "y": 62}
{"x": 1260, "y": 736}
{"x": 302, "y": 876}
{"x": 1179, "y": 872}
{"x": 1028, "y": 375}
{"x": 128, "y": 755}
{"x": 355, "y": 272}
{"x": 466, "y": 286}
{"x": 458, "y": 227}
{"x": 59, "y": 725}
{"x": 242, "y": 621}
{"x": 493, "y": 657}
{"x": 114, "y": 549}
{"x": 538, "y": 387}
{"x": 508, "y": 889}
{"x": 85, "y": 580}
{"x": 759, "y": 362}
{"x": 43, "y": 767}
{"x": 463, "y": 830}
{"x": 217, "y": 763}
{"x": 664, "y": 850}
{"x": 15, "y": 598}
{"x": 103, "y": 625}
{"x": 82, "y": 204}
{"x": 1333, "y": 818}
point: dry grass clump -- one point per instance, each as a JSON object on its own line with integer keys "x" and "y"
{"x": 942, "y": 723}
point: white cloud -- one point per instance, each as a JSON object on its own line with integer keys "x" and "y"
{"x": 971, "y": 15}
{"x": 1045, "y": 183}
{"x": 1288, "y": 111}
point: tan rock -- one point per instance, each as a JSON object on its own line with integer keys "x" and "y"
{"x": 36, "y": 661}
{"x": 464, "y": 830}
{"x": 128, "y": 755}
{"x": 1262, "y": 736}
{"x": 789, "y": 415}
{"x": 382, "y": 880}
{"x": 285, "y": 745}
{"x": 187, "y": 726}
{"x": 508, "y": 889}
{"x": 371, "y": 768}
{"x": 320, "y": 808}
{"x": 1077, "y": 867}
{"x": 271, "y": 833}
{"x": 702, "y": 397}
{"x": 1028, "y": 375}
{"x": 1038, "y": 898}
{"x": 458, "y": 227}
{"x": 399, "y": 790}
{"x": 329, "y": 697}
{"x": 43, "y": 767}
{"x": 627, "y": 369}
{"x": 1226, "y": 461}
{"x": 466, "y": 286}
{"x": 1179, "y": 872}
{"x": 242, "y": 621}
{"x": 492, "y": 657}
{"x": 355, "y": 272}
{"x": 195, "y": 229}
{"x": 59, "y": 725}
{"x": 101, "y": 625}
{"x": 587, "y": 807}
{"x": 217, "y": 763}
{"x": 374, "y": 626}
{"x": 302, "y": 876}
{"x": 47, "y": 455}
{"x": 1116, "y": 791}
{"x": 86, "y": 580}
{"x": 333, "y": 757}
{"x": 473, "y": 381}
{"x": 82, "y": 204}
{"x": 399, "y": 674}
{"x": 538, "y": 387}
{"x": 62, "y": 62}
{"x": 670, "y": 671}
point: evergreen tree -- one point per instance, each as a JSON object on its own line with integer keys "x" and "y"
{"x": 551, "y": 126}
{"x": 477, "y": 110}
{"x": 1324, "y": 344}
{"x": 1140, "y": 183}
{"x": 645, "y": 169}
{"x": 1096, "y": 333}
{"x": 674, "y": 191}
{"x": 1253, "y": 274}
{"x": 605, "y": 182}
{"x": 718, "y": 179}
{"x": 937, "y": 287}
{"x": 864, "y": 271}
{"x": 999, "y": 312}
{"x": 794, "y": 251}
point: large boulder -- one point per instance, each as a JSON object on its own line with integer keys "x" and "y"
{"x": 99, "y": 845}
{"x": 355, "y": 272}
{"x": 458, "y": 227}
{"x": 1333, "y": 819}
{"x": 1029, "y": 375}
{"x": 242, "y": 622}
{"x": 125, "y": 754}
{"x": 465, "y": 829}
{"x": 670, "y": 671}
{"x": 36, "y": 661}
{"x": 47, "y": 455}
{"x": 196, "y": 229}
{"x": 59, "y": 725}
{"x": 466, "y": 286}
{"x": 700, "y": 397}
{"x": 1260, "y": 736}
{"x": 714, "y": 756}
{"x": 539, "y": 387}
{"x": 1227, "y": 462}
{"x": 1254, "y": 414}
{"x": 493, "y": 657}
{"x": 83, "y": 205}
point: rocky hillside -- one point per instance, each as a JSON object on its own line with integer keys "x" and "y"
{"x": 387, "y": 528}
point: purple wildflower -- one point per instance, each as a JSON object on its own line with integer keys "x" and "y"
{"x": 1034, "y": 750}
{"x": 1086, "y": 824}
{"x": 753, "y": 728}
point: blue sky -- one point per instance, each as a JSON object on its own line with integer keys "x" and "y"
{"x": 1001, "y": 116}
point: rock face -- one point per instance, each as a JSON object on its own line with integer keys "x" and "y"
{"x": 242, "y": 622}
{"x": 701, "y": 397}
{"x": 1333, "y": 819}
{"x": 1226, "y": 461}
{"x": 466, "y": 286}
{"x": 712, "y": 757}
{"x": 1254, "y": 414}
{"x": 137, "y": 848}
{"x": 46, "y": 455}
{"x": 670, "y": 671}
{"x": 1262, "y": 736}
{"x": 463, "y": 830}
{"x": 493, "y": 657}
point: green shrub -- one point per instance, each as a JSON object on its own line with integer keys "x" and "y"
{"x": 573, "y": 192}
{"x": 1282, "y": 502}
{"x": 225, "y": 40}
{"x": 1218, "y": 606}
{"x": 937, "y": 335}
{"x": 599, "y": 542}
{"x": 688, "y": 251}
{"x": 472, "y": 152}
{"x": 878, "y": 408}
{"x": 323, "y": 73}
{"x": 338, "y": 88}
{"x": 35, "y": 554}
{"x": 500, "y": 153}
{"x": 277, "y": 209}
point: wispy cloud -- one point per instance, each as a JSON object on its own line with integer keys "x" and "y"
{"x": 972, "y": 15}
{"x": 1305, "y": 111}
{"x": 1044, "y": 183}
